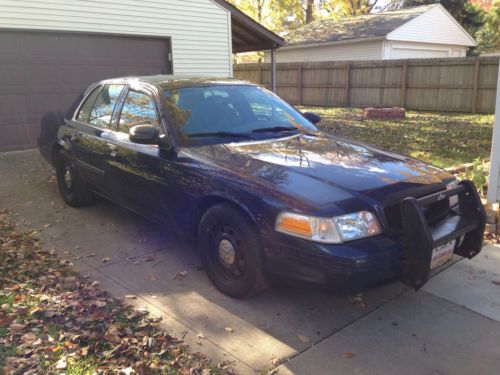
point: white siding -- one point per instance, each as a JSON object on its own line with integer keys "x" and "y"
{"x": 351, "y": 51}
{"x": 200, "y": 29}
{"x": 434, "y": 26}
{"x": 413, "y": 50}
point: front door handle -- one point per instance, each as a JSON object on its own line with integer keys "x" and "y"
{"x": 112, "y": 149}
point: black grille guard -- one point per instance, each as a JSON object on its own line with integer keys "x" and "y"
{"x": 420, "y": 238}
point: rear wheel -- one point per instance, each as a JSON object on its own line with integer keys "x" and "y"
{"x": 74, "y": 190}
{"x": 231, "y": 251}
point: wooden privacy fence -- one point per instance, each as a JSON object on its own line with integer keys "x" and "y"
{"x": 454, "y": 84}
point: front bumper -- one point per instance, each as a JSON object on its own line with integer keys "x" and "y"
{"x": 353, "y": 266}
{"x": 347, "y": 268}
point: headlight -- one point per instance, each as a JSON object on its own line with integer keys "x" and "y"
{"x": 329, "y": 230}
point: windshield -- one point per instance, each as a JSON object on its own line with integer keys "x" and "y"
{"x": 237, "y": 112}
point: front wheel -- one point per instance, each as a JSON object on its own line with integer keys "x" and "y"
{"x": 231, "y": 251}
{"x": 74, "y": 190}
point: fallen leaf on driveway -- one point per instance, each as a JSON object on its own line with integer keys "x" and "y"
{"x": 151, "y": 277}
{"x": 130, "y": 296}
{"x": 228, "y": 329}
{"x": 104, "y": 260}
{"x": 496, "y": 282}
{"x": 357, "y": 301}
{"x": 348, "y": 355}
{"x": 180, "y": 275}
{"x": 303, "y": 338}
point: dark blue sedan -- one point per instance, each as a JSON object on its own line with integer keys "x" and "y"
{"x": 256, "y": 188}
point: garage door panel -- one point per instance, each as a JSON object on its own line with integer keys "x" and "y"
{"x": 11, "y": 73}
{"x": 41, "y": 72}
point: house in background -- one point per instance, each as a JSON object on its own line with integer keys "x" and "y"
{"x": 52, "y": 50}
{"x": 427, "y": 31}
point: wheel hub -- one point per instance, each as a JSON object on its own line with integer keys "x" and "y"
{"x": 227, "y": 252}
{"x": 68, "y": 178}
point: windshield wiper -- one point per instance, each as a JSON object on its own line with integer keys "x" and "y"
{"x": 220, "y": 134}
{"x": 275, "y": 129}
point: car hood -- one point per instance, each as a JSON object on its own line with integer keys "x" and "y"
{"x": 323, "y": 168}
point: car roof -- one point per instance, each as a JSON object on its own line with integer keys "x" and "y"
{"x": 166, "y": 82}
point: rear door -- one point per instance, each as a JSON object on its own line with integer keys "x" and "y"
{"x": 91, "y": 129}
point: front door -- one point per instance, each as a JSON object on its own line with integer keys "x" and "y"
{"x": 133, "y": 170}
{"x": 90, "y": 130}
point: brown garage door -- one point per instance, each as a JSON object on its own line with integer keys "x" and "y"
{"x": 41, "y": 72}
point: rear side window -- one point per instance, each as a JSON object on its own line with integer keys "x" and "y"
{"x": 103, "y": 108}
{"x": 138, "y": 109}
{"x": 84, "y": 113}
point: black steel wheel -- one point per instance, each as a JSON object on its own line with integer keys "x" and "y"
{"x": 74, "y": 190}
{"x": 231, "y": 251}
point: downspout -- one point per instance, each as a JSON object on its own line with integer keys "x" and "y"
{"x": 273, "y": 69}
{"x": 494, "y": 180}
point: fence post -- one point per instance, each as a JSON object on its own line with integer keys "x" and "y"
{"x": 475, "y": 87}
{"x": 261, "y": 78}
{"x": 300, "y": 84}
{"x": 404, "y": 75}
{"x": 347, "y": 85}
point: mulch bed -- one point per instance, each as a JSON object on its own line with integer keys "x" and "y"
{"x": 52, "y": 320}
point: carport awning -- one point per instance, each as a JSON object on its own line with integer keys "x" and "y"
{"x": 249, "y": 35}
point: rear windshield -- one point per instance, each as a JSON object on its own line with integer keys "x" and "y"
{"x": 241, "y": 109}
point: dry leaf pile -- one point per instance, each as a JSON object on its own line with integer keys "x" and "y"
{"x": 493, "y": 238}
{"x": 54, "y": 321}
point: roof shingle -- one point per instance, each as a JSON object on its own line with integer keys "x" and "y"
{"x": 360, "y": 27}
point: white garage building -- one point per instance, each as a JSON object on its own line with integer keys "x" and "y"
{"x": 427, "y": 31}
{"x": 52, "y": 50}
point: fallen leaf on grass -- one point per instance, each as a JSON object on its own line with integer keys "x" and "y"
{"x": 28, "y": 338}
{"x": 61, "y": 364}
{"x": 15, "y": 327}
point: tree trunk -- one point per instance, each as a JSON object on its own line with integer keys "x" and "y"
{"x": 309, "y": 11}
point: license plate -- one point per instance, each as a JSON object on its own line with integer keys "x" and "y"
{"x": 442, "y": 254}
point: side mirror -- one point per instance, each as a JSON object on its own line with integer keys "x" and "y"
{"x": 144, "y": 134}
{"x": 313, "y": 117}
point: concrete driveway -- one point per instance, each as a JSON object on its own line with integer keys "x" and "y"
{"x": 450, "y": 327}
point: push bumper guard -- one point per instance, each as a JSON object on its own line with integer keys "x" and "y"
{"x": 420, "y": 238}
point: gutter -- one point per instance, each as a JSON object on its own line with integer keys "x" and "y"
{"x": 333, "y": 43}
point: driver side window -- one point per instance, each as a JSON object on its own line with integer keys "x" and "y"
{"x": 138, "y": 109}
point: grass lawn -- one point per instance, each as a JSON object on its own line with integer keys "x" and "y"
{"x": 443, "y": 139}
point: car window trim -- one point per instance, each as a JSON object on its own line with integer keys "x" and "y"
{"x": 140, "y": 90}
{"x": 84, "y": 101}
{"x": 114, "y": 107}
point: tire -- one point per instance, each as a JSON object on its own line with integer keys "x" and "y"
{"x": 74, "y": 191}
{"x": 231, "y": 251}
